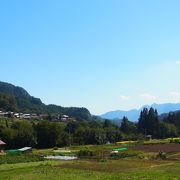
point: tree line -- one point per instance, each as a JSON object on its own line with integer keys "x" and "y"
{"x": 149, "y": 123}
{"x": 47, "y": 134}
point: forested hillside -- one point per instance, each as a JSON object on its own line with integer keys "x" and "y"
{"x": 17, "y": 99}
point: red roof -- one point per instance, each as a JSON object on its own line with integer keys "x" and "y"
{"x": 2, "y": 143}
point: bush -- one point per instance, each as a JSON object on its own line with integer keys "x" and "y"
{"x": 55, "y": 148}
{"x": 102, "y": 160}
{"x": 85, "y": 153}
{"x": 126, "y": 154}
{"x": 161, "y": 155}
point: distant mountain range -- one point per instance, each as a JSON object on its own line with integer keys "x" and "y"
{"x": 17, "y": 99}
{"x": 133, "y": 114}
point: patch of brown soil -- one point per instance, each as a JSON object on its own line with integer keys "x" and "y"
{"x": 159, "y": 147}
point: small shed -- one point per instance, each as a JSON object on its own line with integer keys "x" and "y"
{"x": 149, "y": 137}
{"x": 2, "y": 145}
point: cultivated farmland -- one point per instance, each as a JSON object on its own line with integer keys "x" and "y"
{"x": 135, "y": 163}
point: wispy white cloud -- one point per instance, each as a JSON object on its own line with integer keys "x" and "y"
{"x": 148, "y": 96}
{"x": 175, "y": 95}
{"x": 178, "y": 62}
{"x": 124, "y": 98}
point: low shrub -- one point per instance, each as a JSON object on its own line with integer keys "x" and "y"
{"x": 55, "y": 148}
{"x": 102, "y": 160}
{"x": 85, "y": 153}
{"x": 126, "y": 154}
{"x": 161, "y": 155}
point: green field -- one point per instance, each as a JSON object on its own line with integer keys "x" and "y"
{"x": 95, "y": 168}
{"x": 121, "y": 169}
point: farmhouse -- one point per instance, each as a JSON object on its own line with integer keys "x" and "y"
{"x": 65, "y": 118}
{"x": 2, "y": 144}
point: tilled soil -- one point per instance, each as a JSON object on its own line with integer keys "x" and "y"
{"x": 159, "y": 147}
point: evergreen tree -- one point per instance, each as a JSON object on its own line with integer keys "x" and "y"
{"x": 153, "y": 122}
{"x": 149, "y": 122}
{"x": 127, "y": 126}
{"x": 143, "y": 121}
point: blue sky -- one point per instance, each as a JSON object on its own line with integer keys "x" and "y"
{"x": 100, "y": 54}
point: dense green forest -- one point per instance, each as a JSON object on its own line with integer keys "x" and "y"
{"x": 16, "y": 99}
{"x": 46, "y": 134}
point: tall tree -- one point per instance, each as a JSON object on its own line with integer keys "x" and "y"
{"x": 143, "y": 121}
{"x": 149, "y": 122}
{"x": 127, "y": 126}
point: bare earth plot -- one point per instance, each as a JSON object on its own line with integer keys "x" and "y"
{"x": 159, "y": 147}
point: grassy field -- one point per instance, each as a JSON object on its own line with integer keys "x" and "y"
{"x": 121, "y": 169}
{"x": 104, "y": 168}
